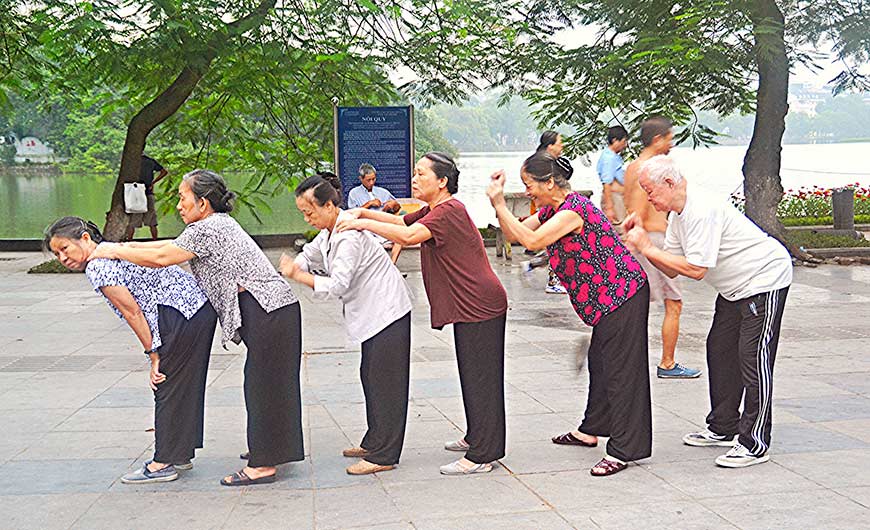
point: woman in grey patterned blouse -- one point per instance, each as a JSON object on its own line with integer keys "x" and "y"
{"x": 254, "y": 304}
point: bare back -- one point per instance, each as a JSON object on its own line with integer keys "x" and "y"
{"x": 636, "y": 200}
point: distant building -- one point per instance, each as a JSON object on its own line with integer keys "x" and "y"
{"x": 31, "y": 149}
{"x": 803, "y": 98}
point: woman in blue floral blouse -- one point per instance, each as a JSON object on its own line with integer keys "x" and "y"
{"x": 175, "y": 323}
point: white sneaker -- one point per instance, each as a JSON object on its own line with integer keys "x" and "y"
{"x": 556, "y": 289}
{"x": 456, "y": 468}
{"x": 740, "y": 456}
{"x": 708, "y": 438}
{"x": 459, "y": 445}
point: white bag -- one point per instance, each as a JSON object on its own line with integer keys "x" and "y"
{"x": 134, "y": 198}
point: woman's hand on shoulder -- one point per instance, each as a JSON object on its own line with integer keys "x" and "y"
{"x": 355, "y": 213}
{"x": 495, "y": 192}
{"x": 105, "y": 250}
{"x": 349, "y": 224}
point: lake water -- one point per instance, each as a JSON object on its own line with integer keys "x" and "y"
{"x": 28, "y": 204}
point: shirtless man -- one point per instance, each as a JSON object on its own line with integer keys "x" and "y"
{"x": 657, "y": 136}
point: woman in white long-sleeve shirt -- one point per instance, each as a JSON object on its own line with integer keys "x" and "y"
{"x": 377, "y": 312}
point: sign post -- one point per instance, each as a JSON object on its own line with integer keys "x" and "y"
{"x": 380, "y": 136}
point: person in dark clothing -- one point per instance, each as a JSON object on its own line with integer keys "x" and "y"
{"x": 147, "y": 169}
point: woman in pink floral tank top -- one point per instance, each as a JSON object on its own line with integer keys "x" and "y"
{"x": 608, "y": 290}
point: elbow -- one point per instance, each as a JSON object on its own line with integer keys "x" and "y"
{"x": 132, "y": 314}
{"x": 698, "y": 274}
{"x": 409, "y": 239}
{"x": 405, "y": 241}
{"x": 161, "y": 259}
{"x": 534, "y": 244}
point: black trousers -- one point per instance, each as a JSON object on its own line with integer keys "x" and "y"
{"x": 480, "y": 355}
{"x": 618, "y": 405}
{"x": 272, "y": 393}
{"x": 385, "y": 373}
{"x": 741, "y": 349}
{"x": 179, "y": 402}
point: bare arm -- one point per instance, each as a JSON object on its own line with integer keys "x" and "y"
{"x": 160, "y": 175}
{"x": 122, "y": 299}
{"x": 128, "y": 306}
{"x": 148, "y": 244}
{"x": 532, "y": 222}
{"x": 668, "y": 263}
{"x": 557, "y": 227}
{"x": 674, "y": 265}
{"x": 530, "y": 233}
{"x": 375, "y": 215}
{"x": 607, "y": 201}
{"x": 292, "y": 269}
{"x": 395, "y": 232}
{"x": 634, "y": 196}
{"x": 162, "y": 256}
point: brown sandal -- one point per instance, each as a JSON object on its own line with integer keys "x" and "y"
{"x": 608, "y": 467}
{"x": 355, "y": 452}
{"x": 570, "y": 439}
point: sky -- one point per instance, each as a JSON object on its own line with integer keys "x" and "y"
{"x": 800, "y": 74}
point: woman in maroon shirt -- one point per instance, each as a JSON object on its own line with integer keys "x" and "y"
{"x": 463, "y": 291}
{"x": 609, "y": 291}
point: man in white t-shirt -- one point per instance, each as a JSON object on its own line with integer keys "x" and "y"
{"x": 709, "y": 239}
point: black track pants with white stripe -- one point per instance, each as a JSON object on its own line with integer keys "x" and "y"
{"x": 741, "y": 349}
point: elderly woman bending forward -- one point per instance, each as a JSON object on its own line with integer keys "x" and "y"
{"x": 609, "y": 291}
{"x": 464, "y": 291}
{"x": 175, "y": 323}
{"x": 352, "y": 267}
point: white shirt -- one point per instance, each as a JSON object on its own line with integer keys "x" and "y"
{"x": 361, "y": 275}
{"x": 741, "y": 259}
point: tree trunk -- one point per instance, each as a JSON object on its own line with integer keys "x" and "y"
{"x": 762, "y": 185}
{"x": 152, "y": 115}
{"x": 165, "y": 105}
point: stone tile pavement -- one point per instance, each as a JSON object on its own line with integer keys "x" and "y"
{"x": 75, "y": 414}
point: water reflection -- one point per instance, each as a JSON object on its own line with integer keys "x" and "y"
{"x": 28, "y": 204}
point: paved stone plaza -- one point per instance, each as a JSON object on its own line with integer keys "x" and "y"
{"x": 75, "y": 414}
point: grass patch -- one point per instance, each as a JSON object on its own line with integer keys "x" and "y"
{"x": 820, "y": 221}
{"x": 50, "y": 267}
{"x": 813, "y": 239}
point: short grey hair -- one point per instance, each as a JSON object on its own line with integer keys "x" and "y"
{"x": 366, "y": 169}
{"x": 660, "y": 167}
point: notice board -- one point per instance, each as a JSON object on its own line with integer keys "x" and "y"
{"x": 380, "y": 136}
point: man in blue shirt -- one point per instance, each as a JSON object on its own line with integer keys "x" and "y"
{"x": 611, "y": 172}
{"x": 369, "y": 196}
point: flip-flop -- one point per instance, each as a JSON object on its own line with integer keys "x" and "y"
{"x": 609, "y": 467}
{"x": 239, "y": 478}
{"x": 570, "y": 439}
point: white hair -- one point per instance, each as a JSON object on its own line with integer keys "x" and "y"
{"x": 660, "y": 167}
